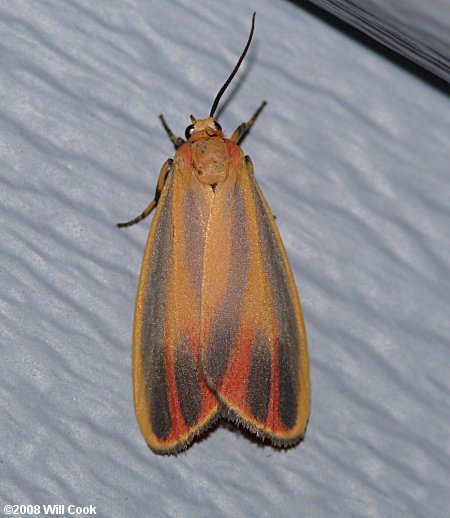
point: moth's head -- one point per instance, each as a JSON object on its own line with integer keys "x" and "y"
{"x": 209, "y": 127}
{"x": 203, "y": 128}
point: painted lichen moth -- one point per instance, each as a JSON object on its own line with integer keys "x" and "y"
{"x": 218, "y": 328}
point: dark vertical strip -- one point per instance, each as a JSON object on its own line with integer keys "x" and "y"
{"x": 288, "y": 339}
{"x": 157, "y": 395}
{"x": 287, "y": 381}
{"x": 188, "y": 384}
{"x": 152, "y": 348}
{"x": 258, "y": 386}
{"x": 226, "y": 324}
{"x": 194, "y": 243}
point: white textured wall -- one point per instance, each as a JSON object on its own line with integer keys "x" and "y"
{"x": 352, "y": 153}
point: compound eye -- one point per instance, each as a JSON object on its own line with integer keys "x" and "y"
{"x": 189, "y": 131}
{"x": 217, "y": 126}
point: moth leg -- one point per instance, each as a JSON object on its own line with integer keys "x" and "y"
{"x": 165, "y": 170}
{"x": 176, "y": 141}
{"x": 244, "y": 128}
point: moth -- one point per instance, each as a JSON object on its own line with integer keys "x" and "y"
{"x": 218, "y": 327}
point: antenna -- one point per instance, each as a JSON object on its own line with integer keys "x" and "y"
{"x": 236, "y": 68}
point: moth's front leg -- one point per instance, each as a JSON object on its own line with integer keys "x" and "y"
{"x": 165, "y": 170}
{"x": 176, "y": 141}
{"x": 244, "y": 128}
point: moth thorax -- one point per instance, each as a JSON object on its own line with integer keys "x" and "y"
{"x": 210, "y": 161}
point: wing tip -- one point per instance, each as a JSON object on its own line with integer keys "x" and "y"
{"x": 180, "y": 446}
{"x": 263, "y": 434}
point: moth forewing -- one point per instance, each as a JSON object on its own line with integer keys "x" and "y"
{"x": 253, "y": 342}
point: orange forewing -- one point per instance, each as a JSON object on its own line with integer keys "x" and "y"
{"x": 172, "y": 401}
{"x": 253, "y": 341}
